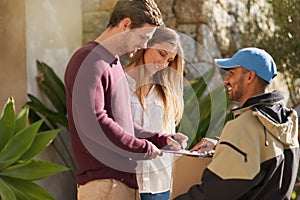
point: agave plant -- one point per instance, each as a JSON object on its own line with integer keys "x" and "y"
{"x": 54, "y": 114}
{"x": 20, "y": 142}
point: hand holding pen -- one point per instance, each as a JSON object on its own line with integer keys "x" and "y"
{"x": 177, "y": 141}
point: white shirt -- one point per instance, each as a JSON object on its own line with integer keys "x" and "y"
{"x": 153, "y": 176}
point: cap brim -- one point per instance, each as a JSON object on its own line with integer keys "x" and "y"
{"x": 225, "y": 63}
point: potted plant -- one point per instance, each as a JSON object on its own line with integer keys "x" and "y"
{"x": 54, "y": 112}
{"x": 20, "y": 142}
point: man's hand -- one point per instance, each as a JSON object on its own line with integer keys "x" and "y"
{"x": 177, "y": 141}
{"x": 206, "y": 144}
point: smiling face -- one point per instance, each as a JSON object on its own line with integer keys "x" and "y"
{"x": 235, "y": 82}
{"x": 158, "y": 57}
{"x": 137, "y": 38}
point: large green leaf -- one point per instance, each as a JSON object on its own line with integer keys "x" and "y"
{"x": 193, "y": 122}
{"x": 205, "y": 109}
{"x": 32, "y": 190}
{"x": 53, "y": 117}
{"x": 21, "y": 119}
{"x": 220, "y": 113}
{"x": 18, "y": 145}
{"x": 7, "y": 123}
{"x": 19, "y": 195}
{"x": 200, "y": 85}
{"x": 53, "y": 79}
{"x": 194, "y": 90}
{"x": 32, "y": 170}
{"x": 190, "y": 97}
{"x": 34, "y": 116}
{"x": 6, "y": 193}
{"x": 52, "y": 96}
{"x": 188, "y": 125}
{"x": 46, "y": 69}
{"x": 53, "y": 87}
{"x": 41, "y": 141}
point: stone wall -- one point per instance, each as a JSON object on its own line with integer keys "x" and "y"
{"x": 208, "y": 28}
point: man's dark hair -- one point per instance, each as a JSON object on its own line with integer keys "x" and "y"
{"x": 139, "y": 11}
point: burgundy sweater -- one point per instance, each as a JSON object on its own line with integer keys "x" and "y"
{"x": 105, "y": 141}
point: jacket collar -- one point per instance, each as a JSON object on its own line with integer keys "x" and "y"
{"x": 267, "y": 98}
{"x": 262, "y": 99}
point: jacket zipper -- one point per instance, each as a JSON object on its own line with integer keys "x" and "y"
{"x": 235, "y": 148}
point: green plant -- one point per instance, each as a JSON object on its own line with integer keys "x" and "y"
{"x": 205, "y": 110}
{"x": 54, "y": 114}
{"x": 19, "y": 143}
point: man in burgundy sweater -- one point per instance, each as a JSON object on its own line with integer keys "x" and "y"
{"x": 105, "y": 142}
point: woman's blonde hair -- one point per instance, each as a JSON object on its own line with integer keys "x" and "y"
{"x": 169, "y": 81}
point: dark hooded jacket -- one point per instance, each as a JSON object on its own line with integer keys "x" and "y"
{"x": 257, "y": 155}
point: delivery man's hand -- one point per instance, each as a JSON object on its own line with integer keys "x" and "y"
{"x": 205, "y": 145}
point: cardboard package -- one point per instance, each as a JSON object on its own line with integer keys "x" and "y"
{"x": 187, "y": 171}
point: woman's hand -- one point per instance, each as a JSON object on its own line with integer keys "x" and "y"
{"x": 177, "y": 141}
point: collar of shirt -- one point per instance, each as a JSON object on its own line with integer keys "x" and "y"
{"x": 106, "y": 55}
{"x": 131, "y": 83}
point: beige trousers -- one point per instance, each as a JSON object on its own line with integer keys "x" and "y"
{"x": 106, "y": 189}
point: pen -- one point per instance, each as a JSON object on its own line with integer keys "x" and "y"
{"x": 173, "y": 137}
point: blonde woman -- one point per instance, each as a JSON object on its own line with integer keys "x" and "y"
{"x": 155, "y": 77}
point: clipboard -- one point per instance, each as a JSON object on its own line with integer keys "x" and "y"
{"x": 190, "y": 153}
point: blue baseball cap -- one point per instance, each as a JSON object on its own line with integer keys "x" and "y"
{"x": 253, "y": 59}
